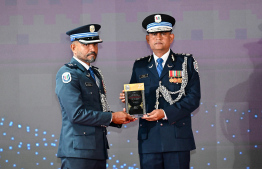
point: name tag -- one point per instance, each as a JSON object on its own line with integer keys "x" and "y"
{"x": 143, "y": 76}
{"x": 88, "y": 84}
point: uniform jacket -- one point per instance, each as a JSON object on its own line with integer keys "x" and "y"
{"x": 83, "y": 132}
{"x": 174, "y": 134}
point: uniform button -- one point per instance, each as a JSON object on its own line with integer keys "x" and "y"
{"x": 140, "y": 124}
{"x": 183, "y": 123}
{"x": 84, "y": 133}
{"x": 161, "y": 124}
{"x": 160, "y": 95}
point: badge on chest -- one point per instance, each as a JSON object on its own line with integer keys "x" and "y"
{"x": 175, "y": 76}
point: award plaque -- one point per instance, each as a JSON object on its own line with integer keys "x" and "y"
{"x": 135, "y": 99}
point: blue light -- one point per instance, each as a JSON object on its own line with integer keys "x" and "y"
{"x": 131, "y": 153}
{"x": 110, "y": 158}
{"x": 197, "y": 131}
{"x": 14, "y": 165}
{"x": 125, "y": 126}
{"x": 36, "y": 153}
{"x": 53, "y": 135}
{"x": 44, "y": 158}
{"x": 4, "y": 134}
{"x": 37, "y": 163}
{"x": 19, "y": 126}
{"x": 51, "y": 163}
{"x": 36, "y": 134}
{"x": 215, "y": 105}
{"x": 10, "y": 147}
{"x": 44, "y": 132}
{"x": 255, "y": 115}
{"x": 235, "y": 110}
{"x": 249, "y": 111}
{"x": 241, "y": 118}
{"x": 1, "y": 124}
{"x": 202, "y": 148}
{"x": 233, "y": 136}
{"x": 19, "y": 146}
{"x": 28, "y": 145}
{"x": 191, "y": 167}
{"x": 240, "y": 152}
{"x": 247, "y": 167}
{"x": 18, "y": 152}
{"x": 11, "y": 123}
{"x": 128, "y": 141}
{"x": 46, "y": 144}
{"x": 36, "y": 144}
{"x": 225, "y": 159}
{"x": 227, "y": 121}
{"x": 212, "y": 125}
{"x": 206, "y": 111}
{"x": 192, "y": 115}
{"x": 6, "y": 161}
{"x": 28, "y": 148}
{"x": 44, "y": 139}
{"x": 117, "y": 161}
{"x": 28, "y": 129}
{"x": 229, "y": 109}
{"x": 248, "y": 130}
{"x": 221, "y": 110}
{"x": 12, "y": 138}
{"x": 36, "y": 130}
{"x": 218, "y": 142}
{"x": 1, "y": 150}
{"x": 255, "y": 146}
{"x": 108, "y": 132}
{"x": 3, "y": 119}
{"x": 243, "y": 113}
{"x": 208, "y": 163}
{"x": 111, "y": 144}
{"x": 21, "y": 143}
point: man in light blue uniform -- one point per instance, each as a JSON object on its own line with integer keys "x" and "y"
{"x": 81, "y": 92}
{"x": 172, "y": 93}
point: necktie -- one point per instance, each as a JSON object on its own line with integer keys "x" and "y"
{"x": 159, "y": 66}
{"x": 92, "y": 73}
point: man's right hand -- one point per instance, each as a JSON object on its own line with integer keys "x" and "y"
{"x": 121, "y": 117}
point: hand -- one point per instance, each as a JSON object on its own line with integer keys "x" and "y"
{"x": 129, "y": 121}
{"x": 154, "y": 115}
{"x": 121, "y": 117}
{"x": 122, "y": 96}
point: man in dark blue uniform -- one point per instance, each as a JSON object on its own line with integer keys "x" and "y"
{"x": 172, "y": 93}
{"x": 81, "y": 91}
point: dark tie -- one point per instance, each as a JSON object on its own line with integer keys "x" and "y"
{"x": 159, "y": 66}
{"x": 92, "y": 73}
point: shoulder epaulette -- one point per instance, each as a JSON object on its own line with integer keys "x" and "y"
{"x": 184, "y": 54}
{"x": 143, "y": 58}
{"x": 72, "y": 66}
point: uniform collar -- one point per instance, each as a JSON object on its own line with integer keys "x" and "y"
{"x": 82, "y": 63}
{"x": 164, "y": 57}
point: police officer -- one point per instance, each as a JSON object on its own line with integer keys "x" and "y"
{"x": 81, "y": 92}
{"x": 172, "y": 93}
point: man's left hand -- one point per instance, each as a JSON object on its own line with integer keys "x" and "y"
{"x": 154, "y": 115}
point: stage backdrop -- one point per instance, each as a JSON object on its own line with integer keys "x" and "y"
{"x": 224, "y": 37}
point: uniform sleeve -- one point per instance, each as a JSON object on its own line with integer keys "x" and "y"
{"x": 69, "y": 95}
{"x": 187, "y": 104}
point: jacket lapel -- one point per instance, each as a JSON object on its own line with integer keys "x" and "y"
{"x": 168, "y": 65}
{"x": 152, "y": 66}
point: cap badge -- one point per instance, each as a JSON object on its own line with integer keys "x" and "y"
{"x": 158, "y": 18}
{"x": 92, "y": 28}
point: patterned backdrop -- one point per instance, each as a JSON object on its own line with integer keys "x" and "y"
{"x": 224, "y": 36}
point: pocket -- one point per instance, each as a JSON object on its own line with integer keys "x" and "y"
{"x": 84, "y": 139}
{"x": 183, "y": 130}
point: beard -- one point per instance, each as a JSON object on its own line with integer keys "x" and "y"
{"x": 92, "y": 59}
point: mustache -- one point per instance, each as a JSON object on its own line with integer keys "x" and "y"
{"x": 91, "y": 53}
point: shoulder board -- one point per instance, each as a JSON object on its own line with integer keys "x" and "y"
{"x": 184, "y": 54}
{"x": 95, "y": 67}
{"x": 72, "y": 66}
{"x": 143, "y": 58}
